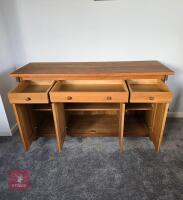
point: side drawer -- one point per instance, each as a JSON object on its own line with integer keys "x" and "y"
{"x": 89, "y": 91}
{"x": 148, "y": 91}
{"x": 29, "y": 92}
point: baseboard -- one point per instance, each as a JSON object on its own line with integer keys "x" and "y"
{"x": 14, "y": 129}
{"x": 175, "y": 114}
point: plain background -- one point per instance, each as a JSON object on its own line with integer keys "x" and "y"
{"x": 88, "y": 30}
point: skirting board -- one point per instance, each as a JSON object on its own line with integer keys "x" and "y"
{"x": 14, "y": 129}
{"x": 10, "y": 132}
{"x": 175, "y": 114}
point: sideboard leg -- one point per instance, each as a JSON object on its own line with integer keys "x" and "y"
{"x": 59, "y": 120}
{"x": 121, "y": 126}
{"x": 159, "y": 124}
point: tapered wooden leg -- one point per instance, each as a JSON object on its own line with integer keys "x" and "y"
{"x": 121, "y": 126}
{"x": 59, "y": 121}
{"x": 159, "y": 124}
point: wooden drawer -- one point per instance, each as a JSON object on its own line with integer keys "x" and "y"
{"x": 28, "y": 92}
{"x": 89, "y": 91}
{"x": 149, "y": 91}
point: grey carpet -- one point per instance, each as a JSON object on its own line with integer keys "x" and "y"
{"x": 94, "y": 169}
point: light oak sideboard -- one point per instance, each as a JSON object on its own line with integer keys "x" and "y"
{"x": 91, "y": 99}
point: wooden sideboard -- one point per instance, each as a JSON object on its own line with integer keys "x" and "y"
{"x": 91, "y": 99}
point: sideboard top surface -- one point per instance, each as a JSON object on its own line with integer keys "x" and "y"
{"x": 87, "y": 70}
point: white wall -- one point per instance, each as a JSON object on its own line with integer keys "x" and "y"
{"x": 83, "y": 30}
{"x": 9, "y": 59}
{"x": 87, "y": 30}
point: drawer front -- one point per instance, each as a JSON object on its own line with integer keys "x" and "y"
{"x": 148, "y": 91}
{"x": 89, "y": 97}
{"x": 28, "y": 98}
{"x": 147, "y": 97}
{"x": 29, "y": 92}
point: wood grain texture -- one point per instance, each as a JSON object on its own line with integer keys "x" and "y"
{"x": 89, "y": 92}
{"x": 59, "y": 121}
{"x": 148, "y": 91}
{"x": 29, "y": 92}
{"x": 91, "y": 106}
{"x": 25, "y": 124}
{"x": 97, "y": 125}
{"x": 138, "y": 106}
{"x": 102, "y": 85}
{"x": 121, "y": 126}
{"x": 92, "y": 70}
{"x": 161, "y": 111}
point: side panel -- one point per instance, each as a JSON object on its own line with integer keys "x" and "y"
{"x": 24, "y": 120}
{"x": 160, "y": 116}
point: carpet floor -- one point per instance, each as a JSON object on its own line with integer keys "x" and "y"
{"x": 94, "y": 168}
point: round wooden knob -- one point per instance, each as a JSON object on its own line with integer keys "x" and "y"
{"x": 28, "y": 99}
{"x": 93, "y": 131}
{"x": 151, "y": 98}
{"x": 69, "y": 98}
{"x": 109, "y": 98}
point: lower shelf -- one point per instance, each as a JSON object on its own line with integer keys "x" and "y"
{"x": 95, "y": 125}
{"x": 92, "y": 125}
{"x": 105, "y": 125}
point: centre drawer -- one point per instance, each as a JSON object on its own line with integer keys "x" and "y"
{"x": 89, "y": 91}
{"x": 28, "y": 92}
{"x": 148, "y": 91}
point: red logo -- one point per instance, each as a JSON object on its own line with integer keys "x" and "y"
{"x": 19, "y": 179}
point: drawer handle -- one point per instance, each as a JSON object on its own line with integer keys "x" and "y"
{"x": 69, "y": 97}
{"x": 109, "y": 98}
{"x": 151, "y": 98}
{"x": 28, "y": 99}
{"x": 93, "y": 131}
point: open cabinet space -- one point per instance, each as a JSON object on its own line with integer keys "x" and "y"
{"x": 139, "y": 119}
{"x": 33, "y": 124}
{"x": 136, "y": 123}
{"x": 88, "y": 120}
{"x": 92, "y": 123}
{"x": 44, "y": 123}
